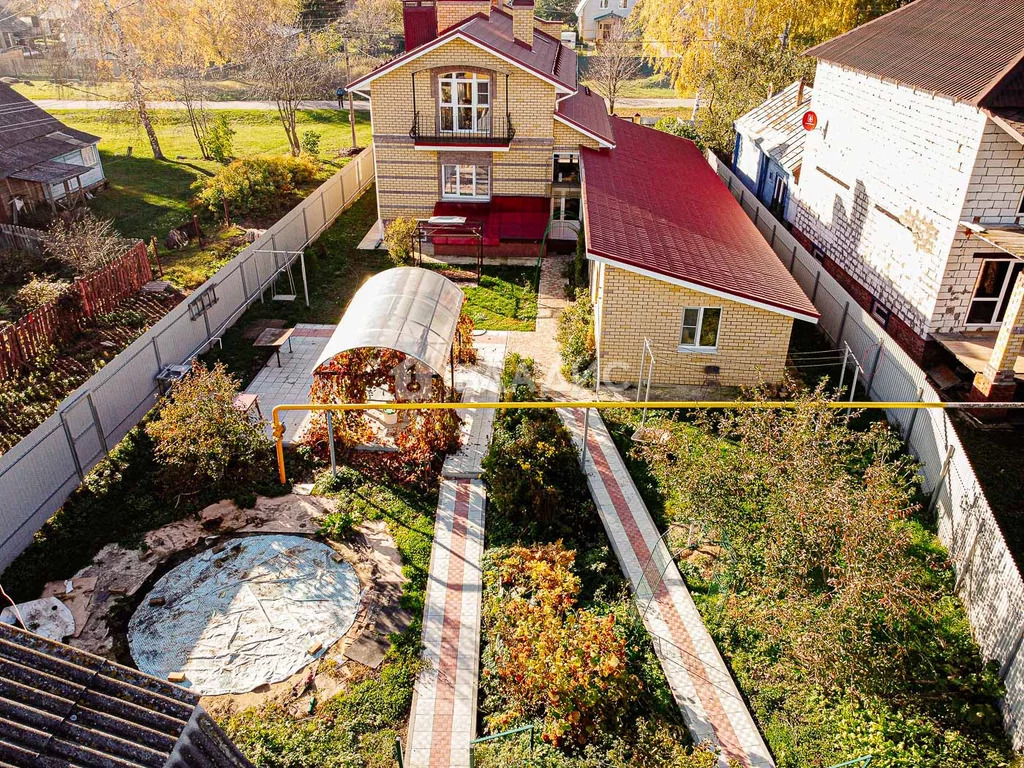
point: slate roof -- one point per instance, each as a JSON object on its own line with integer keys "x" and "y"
{"x": 29, "y": 135}
{"x": 547, "y": 58}
{"x": 969, "y": 50}
{"x": 62, "y": 707}
{"x": 654, "y": 205}
{"x": 586, "y": 110}
{"x": 776, "y": 126}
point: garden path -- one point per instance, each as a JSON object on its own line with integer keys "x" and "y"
{"x": 443, "y": 719}
{"x": 700, "y": 681}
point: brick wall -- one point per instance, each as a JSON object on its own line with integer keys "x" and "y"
{"x": 993, "y": 197}
{"x": 883, "y": 184}
{"x": 752, "y": 342}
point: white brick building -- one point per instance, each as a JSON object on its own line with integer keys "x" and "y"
{"x": 911, "y": 186}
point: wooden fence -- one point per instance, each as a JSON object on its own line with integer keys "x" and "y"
{"x": 59, "y": 321}
{"x": 15, "y": 238}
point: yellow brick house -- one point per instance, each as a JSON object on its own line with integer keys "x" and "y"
{"x": 481, "y": 130}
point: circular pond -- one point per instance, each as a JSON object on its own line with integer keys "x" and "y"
{"x": 255, "y": 611}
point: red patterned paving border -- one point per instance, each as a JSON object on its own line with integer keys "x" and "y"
{"x": 680, "y": 636}
{"x": 444, "y": 693}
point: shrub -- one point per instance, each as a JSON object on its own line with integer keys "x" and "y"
{"x": 38, "y": 292}
{"x": 254, "y": 184}
{"x": 518, "y": 378}
{"x": 548, "y": 658}
{"x": 84, "y": 244}
{"x": 576, "y": 340}
{"x": 18, "y": 266}
{"x": 398, "y": 236}
{"x": 681, "y": 128}
{"x": 220, "y": 139}
{"x": 311, "y": 143}
{"x": 201, "y": 437}
{"x": 576, "y": 277}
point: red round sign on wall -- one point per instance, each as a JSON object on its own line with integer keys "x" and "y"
{"x": 810, "y": 121}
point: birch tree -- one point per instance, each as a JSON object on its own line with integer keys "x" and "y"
{"x": 616, "y": 62}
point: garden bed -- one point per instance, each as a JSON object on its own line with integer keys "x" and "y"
{"x": 838, "y": 618}
{"x": 564, "y": 650}
{"x": 28, "y": 400}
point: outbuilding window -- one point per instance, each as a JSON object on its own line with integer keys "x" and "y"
{"x": 700, "y": 329}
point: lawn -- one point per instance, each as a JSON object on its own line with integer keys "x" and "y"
{"x": 505, "y": 298}
{"x": 334, "y": 268}
{"x": 147, "y": 197}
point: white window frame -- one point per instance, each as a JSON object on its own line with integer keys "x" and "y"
{"x": 474, "y": 80}
{"x": 1020, "y": 205}
{"x": 697, "y": 346}
{"x": 997, "y": 301}
{"x": 90, "y": 156}
{"x": 476, "y": 178}
{"x": 558, "y": 207}
{"x": 623, "y": 4}
{"x": 603, "y": 5}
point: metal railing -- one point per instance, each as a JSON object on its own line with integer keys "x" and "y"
{"x": 493, "y": 737}
{"x": 496, "y": 130}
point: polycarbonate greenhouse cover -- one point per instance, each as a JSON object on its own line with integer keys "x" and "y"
{"x": 407, "y": 309}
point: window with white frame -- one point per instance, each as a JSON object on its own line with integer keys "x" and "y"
{"x": 700, "y": 329}
{"x": 465, "y": 102}
{"x": 622, "y": 3}
{"x": 604, "y": 4}
{"x": 992, "y": 291}
{"x": 90, "y": 156}
{"x": 565, "y": 207}
{"x": 1020, "y": 205}
{"x": 566, "y": 168}
{"x": 466, "y": 182}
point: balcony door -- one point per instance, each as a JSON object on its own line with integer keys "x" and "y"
{"x": 465, "y": 100}
{"x": 992, "y": 292}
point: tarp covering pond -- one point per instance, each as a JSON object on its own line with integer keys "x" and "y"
{"x": 246, "y": 615}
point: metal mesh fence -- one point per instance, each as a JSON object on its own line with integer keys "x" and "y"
{"x": 40, "y": 472}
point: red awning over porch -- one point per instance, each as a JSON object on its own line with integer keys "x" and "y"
{"x": 503, "y": 218}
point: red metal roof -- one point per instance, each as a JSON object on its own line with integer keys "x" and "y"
{"x": 547, "y": 58}
{"x": 586, "y": 110}
{"x": 654, "y": 204}
{"x": 969, "y": 50}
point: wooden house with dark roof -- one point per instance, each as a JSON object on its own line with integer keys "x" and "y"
{"x": 43, "y": 163}
{"x": 61, "y": 707}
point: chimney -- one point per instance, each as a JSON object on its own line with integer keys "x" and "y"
{"x": 800, "y": 93}
{"x": 419, "y": 19}
{"x": 522, "y": 21}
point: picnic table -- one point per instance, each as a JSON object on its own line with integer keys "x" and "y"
{"x": 274, "y": 338}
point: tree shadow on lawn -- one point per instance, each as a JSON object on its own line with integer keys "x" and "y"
{"x": 146, "y": 197}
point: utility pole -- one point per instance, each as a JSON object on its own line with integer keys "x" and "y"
{"x": 351, "y": 108}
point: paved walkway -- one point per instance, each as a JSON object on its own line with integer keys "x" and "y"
{"x": 697, "y": 674}
{"x": 292, "y": 381}
{"x": 443, "y": 719}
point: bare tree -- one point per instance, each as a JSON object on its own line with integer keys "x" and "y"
{"x": 615, "y": 63}
{"x": 288, "y": 67}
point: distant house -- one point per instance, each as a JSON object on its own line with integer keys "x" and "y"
{"x": 63, "y": 707}
{"x": 597, "y": 18}
{"x": 43, "y": 163}
{"x": 770, "y": 145}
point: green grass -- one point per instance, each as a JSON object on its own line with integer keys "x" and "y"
{"x": 504, "y": 300}
{"x": 334, "y": 268}
{"x": 148, "y": 197}
{"x": 653, "y": 87}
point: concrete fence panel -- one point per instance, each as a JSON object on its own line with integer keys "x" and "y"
{"x": 39, "y": 473}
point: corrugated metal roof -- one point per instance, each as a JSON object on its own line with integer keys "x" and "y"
{"x": 62, "y": 707}
{"x": 654, "y": 204}
{"x": 777, "y": 125}
{"x": 965, "y": 49}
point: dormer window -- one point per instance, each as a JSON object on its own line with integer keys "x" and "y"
{"x": 465, "y": 101}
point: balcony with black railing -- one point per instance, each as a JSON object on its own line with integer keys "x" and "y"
{"x": 490, "y": 130}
